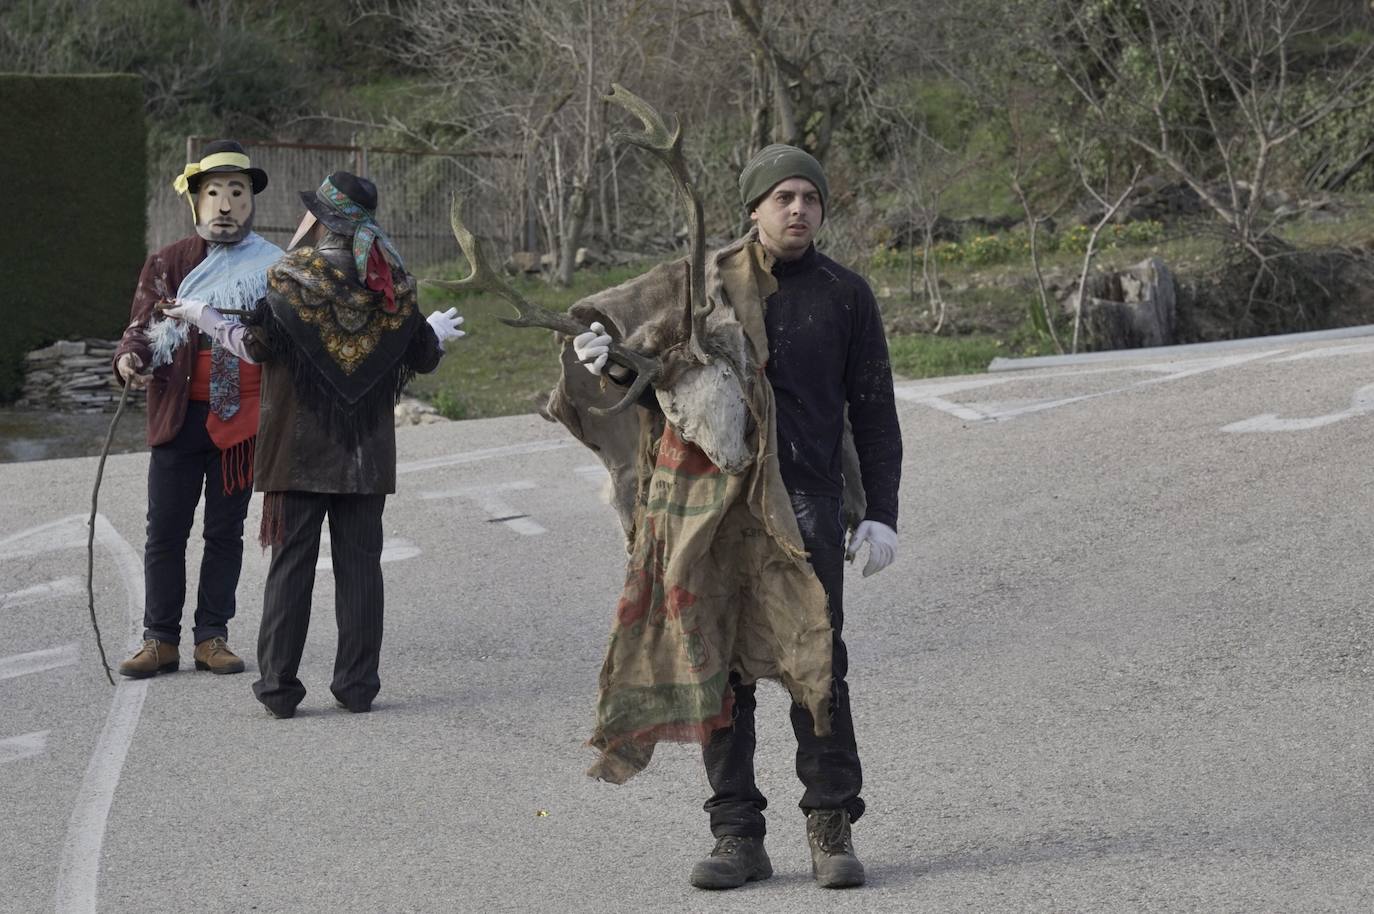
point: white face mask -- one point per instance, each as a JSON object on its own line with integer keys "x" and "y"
{"x": 224, "y": 207}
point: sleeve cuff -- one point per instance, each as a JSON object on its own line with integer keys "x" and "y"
{"x": 883, "y": 517}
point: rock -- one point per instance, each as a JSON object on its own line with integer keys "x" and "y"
{"x": 60, "y": 349}
{"x": 73, "y": 376}
{"x": 523, "y": 262}
{"x": 1134, "y": 308}
{"x": 84, "y": 361}
{"x": 1159, "y": 201}
{"x": 412, "y": 411}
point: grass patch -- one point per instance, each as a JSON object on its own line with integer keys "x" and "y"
{"x": 921, "y": 355}
{"x": 498, "y": 370}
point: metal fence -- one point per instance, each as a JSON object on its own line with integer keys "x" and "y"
{"x": 415, "y": 189}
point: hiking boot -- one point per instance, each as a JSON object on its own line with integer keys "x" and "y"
{"x": 213, "y": 654}
{"x": 732, "y": 862}
{"x": 352, "y": 708}
{"x": 152, "y": 658}
{"x": 832, "y": 849}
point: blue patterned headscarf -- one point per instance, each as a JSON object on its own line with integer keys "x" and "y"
{"x": 366, "y": 230}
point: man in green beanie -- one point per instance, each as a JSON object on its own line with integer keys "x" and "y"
{"x": 827, "y": 355}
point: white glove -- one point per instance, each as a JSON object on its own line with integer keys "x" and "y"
{"x": 446, "y": 324}
{"x": 128, "y": 366}
{"x": 189, "y": 310}
{"x": 593, "y": 348}
{"x": 882, "y": 545}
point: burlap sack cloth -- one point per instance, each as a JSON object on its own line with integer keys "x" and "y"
{"x": 717, "y": 579}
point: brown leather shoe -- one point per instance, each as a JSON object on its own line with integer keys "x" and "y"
{"x": 213, "y": 654}
{"x": 152, "y": 658}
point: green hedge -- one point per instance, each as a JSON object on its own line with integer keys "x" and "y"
{"x": 72, "y": 234}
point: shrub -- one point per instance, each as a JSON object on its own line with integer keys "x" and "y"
{"x": 76, "y": 225}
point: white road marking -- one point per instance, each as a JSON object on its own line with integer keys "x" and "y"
{"x": 967, "y": 413}
{"x": 67, "y": 533}
{"x": 78, "y": 874}
{"x": 22, "y": 747}
{"x": 1002, "y": 410}
{"x": 38, "y": 661}
{"x": 497, "y": 508}
{"x": 60, "y": 587}
{"x": 592, "y": 472}
{"x": 1327, "y": 352}
{"x": 510, "y": 450}
{"x": 1361, "y": 404}
{"x": 1179, "y": 370}
{"x": 394, "y": 549}
{"x": 919, "y": 391}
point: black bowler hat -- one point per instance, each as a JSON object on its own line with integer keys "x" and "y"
{"x": 221, "y": 156}
{"x": 342, "y": 201}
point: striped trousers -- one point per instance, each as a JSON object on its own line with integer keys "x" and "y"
{"x": 355, "y": 545}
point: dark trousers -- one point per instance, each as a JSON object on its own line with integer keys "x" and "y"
{"x": 355, "y": 545}
{"x": 828, "y": 766}
{"x": 177, "y": 473}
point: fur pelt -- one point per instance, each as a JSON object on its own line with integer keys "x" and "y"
{"x": 651, "y": 315}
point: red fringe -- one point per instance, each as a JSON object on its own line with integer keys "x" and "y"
{"x": 272, "y": 532}
{"x": 236, "y": 465}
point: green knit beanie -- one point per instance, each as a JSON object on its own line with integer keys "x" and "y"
{"x": 774, "y": 164}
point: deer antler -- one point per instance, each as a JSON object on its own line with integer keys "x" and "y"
{"x": 663, "y": 138}
{"x": 646, "y": 368}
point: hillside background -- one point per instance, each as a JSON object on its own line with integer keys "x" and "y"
{"x": 994, "y": 166}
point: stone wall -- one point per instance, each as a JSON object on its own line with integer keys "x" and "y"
{"x": 73, "y": 376}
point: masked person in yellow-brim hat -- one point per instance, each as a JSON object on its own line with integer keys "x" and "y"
{"x": 202, "y": 409}
{"x": 338, "y": 335}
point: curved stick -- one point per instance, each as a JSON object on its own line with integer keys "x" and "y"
{"x": 646, "y": 368}
{"x": 90, "y": 534}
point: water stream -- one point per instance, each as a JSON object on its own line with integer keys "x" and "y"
{"x": 35, "y": 435}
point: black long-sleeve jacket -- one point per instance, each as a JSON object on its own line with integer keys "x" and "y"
{"x": 826, "y": 351}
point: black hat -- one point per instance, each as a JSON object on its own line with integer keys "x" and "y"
{"x": 212, "y": 160}
{"x": 336, "y": 196}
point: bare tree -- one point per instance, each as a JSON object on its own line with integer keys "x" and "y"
{"x": 529, "y": 75}
{"x": 1109, "y": 211}
{"x": 1195, "y": 82}
{"x": 815, "y": 62}
{"x": 922, "y": 169}
{"x": 1041, "y": 198}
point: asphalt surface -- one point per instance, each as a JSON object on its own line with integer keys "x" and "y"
{"x": 1122, "y": 663}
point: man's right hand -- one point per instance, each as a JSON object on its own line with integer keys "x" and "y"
{"x": 128, "y": 366}
{"x": 593, "y": 348}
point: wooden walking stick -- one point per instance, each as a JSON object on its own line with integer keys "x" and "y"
{"x": 90, "y": 533}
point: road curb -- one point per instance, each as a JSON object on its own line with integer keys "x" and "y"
{"x": 1154, "y": 352}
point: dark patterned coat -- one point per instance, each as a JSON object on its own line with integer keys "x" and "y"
{"x": 334, "y": 362}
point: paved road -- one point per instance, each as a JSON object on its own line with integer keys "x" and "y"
{"x": 1122, "y": 663}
